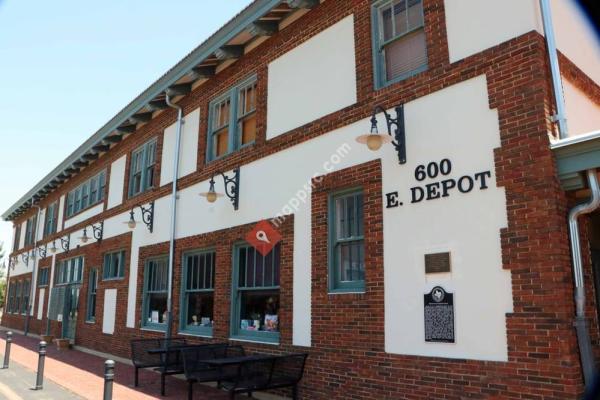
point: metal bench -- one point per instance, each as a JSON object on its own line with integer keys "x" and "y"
{"x": 263, "y": 372}
{"x": 196, "y": 368}
{"x": 141, "y": 357}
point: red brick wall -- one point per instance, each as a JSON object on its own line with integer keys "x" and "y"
{"x": 542, "y": 349}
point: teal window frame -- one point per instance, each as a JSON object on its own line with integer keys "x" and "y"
{"x": 113, "y": 265}
{"x": 17, "y": 305}
{"x": 50, "y": 219}
{"x": 379, "y": 43}
{"x": 143, "y": 165}
{"x": 11, "y": 298}
{"x": 43, "y": 277}
{"x": 30, "y": 230}
{"x": 234, "y": 141}
{"x": 25, "y": 296}
{"x": 17, "y": 238}
{"x": 90, "y": 313}
{"x": 236, "y": 299}
{"x": 146, "y": 293}
{"x": 335, "y": 282}
{"x": 69, "y": 271}
{"x": 186, "y": 290}
{"x": 80, "y": 199}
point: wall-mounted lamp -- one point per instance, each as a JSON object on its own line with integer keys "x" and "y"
{"x": 42, "y": 250}
{"x": 65, "y": 243}
{"x": 232, "y": 188}
{"x": 374, "y": 140}
{"x": 97, "y": 231}
{"x": 12, "y": 262}
{"x": 147, "y": 217}
{"x": 25, "y": 258}
{"x": 53, "y": 248}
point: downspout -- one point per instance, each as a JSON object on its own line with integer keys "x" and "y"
{"x": 583, "y": 337}
{"x": 32, "y": 284}
{"x": 180, "y": 122}
{"x": 560, "y": 116}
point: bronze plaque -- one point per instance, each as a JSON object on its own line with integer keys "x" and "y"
{"x": 437, "y": 262}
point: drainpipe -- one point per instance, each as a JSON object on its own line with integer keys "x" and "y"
{"x": 32, "y": 284}
{"x": 581, "y": 326}
{"x": 560, "y": 116}
{"x": 180, "y": 122}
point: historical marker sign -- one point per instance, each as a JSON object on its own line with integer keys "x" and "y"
{"x": 439, "y": 316}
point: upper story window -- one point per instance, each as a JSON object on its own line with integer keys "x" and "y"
{"x": 50, "y": 220}
{"x": 142, "y": 168}
{"x": 346, "y": 242}
{"x": 17, "y": 238}
{"x": 232, "y": 123}
{"x": 398, "y": 40}
{"x": 69, "y": 271}
{"x": 114, "y": 265}
{"x": 30, "y": 231}
{"x": 88, "y": 194}
{"x": 43, "y": 277}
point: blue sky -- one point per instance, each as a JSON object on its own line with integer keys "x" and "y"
{"x": 67, "y": 67}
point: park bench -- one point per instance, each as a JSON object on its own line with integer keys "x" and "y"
{"x": 141, "y": 357}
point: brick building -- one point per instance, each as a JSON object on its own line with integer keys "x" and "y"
{"x": 446, "y": 275}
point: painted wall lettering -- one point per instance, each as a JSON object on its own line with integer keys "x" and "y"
{"x": 442, "y": 187}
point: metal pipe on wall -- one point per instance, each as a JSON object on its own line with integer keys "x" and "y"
{"x": 32, "y": 284}
{"x": 180, "y": 122}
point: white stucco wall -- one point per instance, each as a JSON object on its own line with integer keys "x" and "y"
{"x": 583, "y": 115}
{"x": 61, "y": 208}
{"x": 188, "y": 156}
{"x": 116, "y": 182}
{"x": 22, "y": 237}
{"x": 110, "y": 308}
{"x": 40, "y": 308}
{"x": 97, "y": 209}
{"x": 475, "y": 25}
{"x": 315, "y": 79}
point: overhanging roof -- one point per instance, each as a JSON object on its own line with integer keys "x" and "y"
{"x": 575, "y": 155}
{"x": 245, "y": 27}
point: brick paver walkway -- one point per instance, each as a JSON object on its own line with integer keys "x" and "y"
{"x": 83, "y": 374}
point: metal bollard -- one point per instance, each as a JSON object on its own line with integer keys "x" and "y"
{"x": 7, "y": 351}
{"x": 39, "y": 381}
{"x": 109, "y": 376}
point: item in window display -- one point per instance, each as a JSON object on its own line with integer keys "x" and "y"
{"x": 194, "y": 320}
{"x": 271, "y": 323}
{"x": 256, "y": 324}
{"x": 164, "y": 316}
{"x": 154, "y": 316}
{"x": 205, "y": 321}
{"x": 245, "y": 324}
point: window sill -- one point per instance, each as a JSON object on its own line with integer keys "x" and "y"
{"x": 346, "y": 291}
{"x": 247, "y": 339}
{"x": 152, "y": 329}
{"x": 113, "y": 279}
{"x": 90, "y": 322}
{"x": 195, "y": 334}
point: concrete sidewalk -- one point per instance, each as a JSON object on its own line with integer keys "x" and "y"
{"x": 16, "y": 383}
{"x": 82, "y": 374}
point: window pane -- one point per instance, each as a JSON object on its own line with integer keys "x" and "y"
{"x": 247, "y": 128}
{"x": 415, "y": 14}
{"x": 221, "y": 142}
{"x": 157, "y": 308}
{"x": 352, "y": 263}
{"x": 200, "y": 309}
{"x": 405, "y": 54}
{"x": 221, "y": 115}
{"x": 200, "y": 271}
{"x": 400, "y": 18}
{"x": 259, "y": 311}
{"x": 386, "y": 23}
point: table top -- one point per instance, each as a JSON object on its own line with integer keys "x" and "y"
{"x": 239, "y": 360}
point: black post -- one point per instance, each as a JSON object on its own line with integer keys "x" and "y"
{"x": 7, "y": 350}
{"x": 39, "y": 381}
{"x": 109, "y": 376}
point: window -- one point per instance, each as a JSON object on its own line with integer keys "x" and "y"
{"x": 17, "y": 238}
{"x": 18, "y": 292}
{"x": 255, "y": 303}
{"x": 399, "y": 40}
{"x": 30, "y": 231}
{"x": 198, "y": 292}
{"x": 232, "y": 123}
{"x": 142, "y": 171}
{"x": 114, "y": 267}
{"x": 90, "y": 314}
{"x": 69, "y": 271}
{"x": 25, "y": 300}
{"x": 86, "y": 195}
{"x": 346, "y": 242}
{"x": 51, "y": 219}
{"x": 11, "y": 298}
{"x": 43, "y": 276}
{"x": 154, "y": 307}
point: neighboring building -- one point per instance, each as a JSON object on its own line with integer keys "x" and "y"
{"x": 447, "y": 276}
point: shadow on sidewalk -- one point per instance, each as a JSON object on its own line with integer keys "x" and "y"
{"x": 149, "y": 381}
